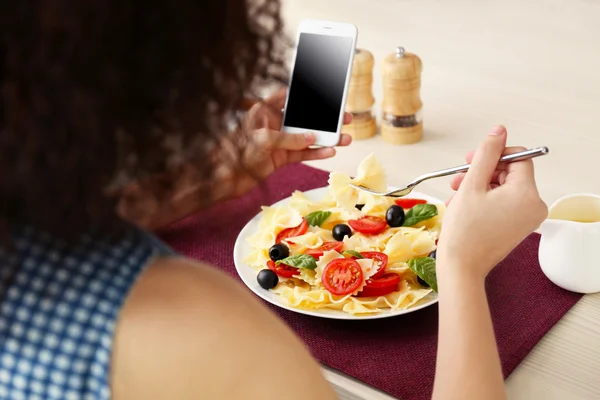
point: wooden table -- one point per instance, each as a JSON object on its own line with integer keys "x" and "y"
{"x": 533, "y": 66}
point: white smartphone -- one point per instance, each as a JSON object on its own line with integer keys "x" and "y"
{"x": 319, "y": 81}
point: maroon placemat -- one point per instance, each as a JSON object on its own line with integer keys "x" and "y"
{"x": 396, "y": 355}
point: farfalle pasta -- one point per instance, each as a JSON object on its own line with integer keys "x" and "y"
{"x": 350, "y": 251}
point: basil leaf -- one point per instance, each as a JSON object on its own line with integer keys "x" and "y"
{"x": 353, "y": 253}
{"x": 424, "y": 267}
{"x": 299, "y": 261}
{"x": 317, "y": 218}
{"x": 419, "y": 213}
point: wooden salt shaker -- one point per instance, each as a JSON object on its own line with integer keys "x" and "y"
{"x": 360, "y": 97}
{"x": 402, "y": 120}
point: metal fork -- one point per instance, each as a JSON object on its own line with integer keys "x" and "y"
{"x": 523, "y": 155}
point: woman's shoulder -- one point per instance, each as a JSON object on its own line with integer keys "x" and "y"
{"x": 189, "y": 331}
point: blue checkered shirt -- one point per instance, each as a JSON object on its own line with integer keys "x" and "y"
{"x": 58, "y": 312}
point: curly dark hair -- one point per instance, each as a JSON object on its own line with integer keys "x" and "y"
{"x": 99, "y": 93}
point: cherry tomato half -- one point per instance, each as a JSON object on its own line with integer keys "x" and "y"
{"x": 378, "y": 258}
{"x": 370, "y": 225}
{"x": 327, "y": 246}
{"x": 409, "y": 203}
{"x": 342, "y": 276}
{"x": 282, "y": 270}
{"x": 387, "y": 284}
{"x": 292, "y": 232}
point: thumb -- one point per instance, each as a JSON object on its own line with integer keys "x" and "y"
{"x": 486, "y": 159}
{"x": 277, "y": 100}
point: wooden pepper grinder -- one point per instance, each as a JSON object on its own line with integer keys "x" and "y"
{"x": 360, "y": 97}
{"x": 402, "y": 120}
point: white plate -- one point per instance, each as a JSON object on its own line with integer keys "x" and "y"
{"x": 248, "y": 274}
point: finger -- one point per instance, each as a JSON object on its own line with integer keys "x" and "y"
{"x": 486, "y": 159}
{"x": 294, "y": 141}
{"x": 347, "y": 118}
{"x": 273, "y": 117}
{"x": 469, "y": 156}
{"x": 269, "y": 139}
{"x": 311, "y": 154}
{"x": 449, "y": 200}
{"x": 262, "y": 115}
{"x": 345, "y": 140}
{"x": 458, "y": 179}
{"x": 291, "y": 141}
{"x": 277, "y": 99}
{"x": 520, "y": 171}
{"x": 499, "y": 175}
{"x": 502, "y": 177}
{"x": 509, "y": 150}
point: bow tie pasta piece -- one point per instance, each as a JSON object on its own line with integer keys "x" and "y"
{"x": 309, "y": 276}
{"x": 324, "y": 234}
{"x": 340, "y": 190}
{"x": 376, "y": 205}
{"x": 400, "y": 268}
{"x": 260, "y": 241}
{"x": 310, "y": 298}
{"x": 257, "y": 259}
{"x": 408, "y": 243}
{"x": 360, "y": 242}
{"x": 403, "y": 299}
{"x": 313, "y": 238}
{"x": 301, "y": 203}
{"x": 340, "y": 215}
{"x": 369, "y": 268}
{"x": 276, "y": 219}
{"x": 400, "y": 300}
{"x": 371, "y": 174}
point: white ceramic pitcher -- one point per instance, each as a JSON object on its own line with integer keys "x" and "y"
{"x": 570, "y": 243}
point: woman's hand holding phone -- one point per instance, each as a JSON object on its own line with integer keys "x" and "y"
{"x": 270, "y": 149}
{"x": 266, "y": 148}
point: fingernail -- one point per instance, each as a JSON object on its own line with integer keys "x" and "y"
{"x": 310, "y": 137}
{"x": 328, "y": 152}
{"x": 497, "y": 130}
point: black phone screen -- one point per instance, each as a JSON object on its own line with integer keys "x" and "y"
{"x": 317, "y": 84}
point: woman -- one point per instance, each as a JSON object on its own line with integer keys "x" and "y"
{"x": 115, "y": 119}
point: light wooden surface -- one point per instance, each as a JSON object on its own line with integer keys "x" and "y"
{"x": 533, "y": 66}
